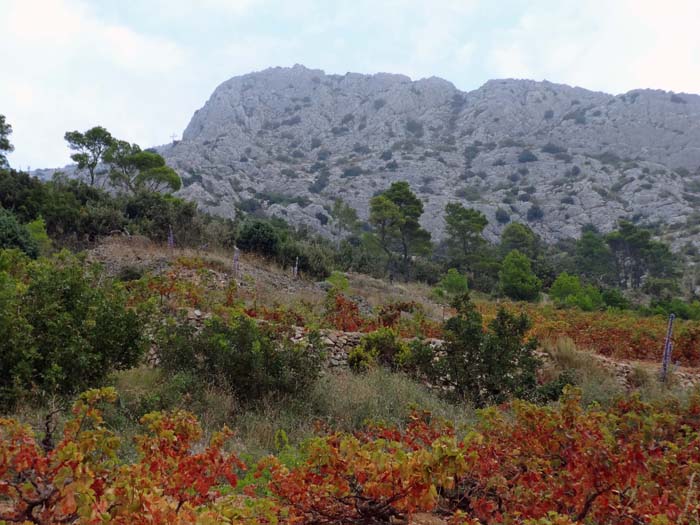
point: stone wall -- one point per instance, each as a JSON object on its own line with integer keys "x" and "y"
{"x": 336, "y": 346}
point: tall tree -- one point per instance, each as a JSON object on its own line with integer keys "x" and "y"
{"x": 593, "y": 258}
{"x": 5, "y": 146}
{"x": 345, "y": 217}
{"x": 519, "y": 237}
{"x": 90, "y": 148}
{"x": 394, "y": 215}
{"x": 637, "y": 256}
{"x": 464, "y": 228}
{"x": 135, "y": 170}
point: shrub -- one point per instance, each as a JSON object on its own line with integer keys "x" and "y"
{"x": 414, "y": 127}
{"x": 567, "y": 290}
{"x": 451, "y": 285}
{"x": 502, "y": 216}
{"x": 259, "y": 236}
{"x": 15, "y": 235}
{"x": 360, "y": 360}
{"x": 338, "y": 282}
{"x": 564, "y": 286}
{"x": 322, "y": 218}
{"x": 352, "y": 171}
{"x": 677, "y": 99}
{"x": 318, "y": 185}
{"x": 313, "y": 258}
{"x": 527, "y": 156}
{"x": 153, "y": 214}
{"x": 62, "y": 328}
{"x": 382, "y": 346}
{"x": 677, "y": 306}
{"x": 489, "y": 366}
{"x": 535, "y": 213}
{"x": 469, "y": 193}
{"x": 240, "y": 356}
{"x": 552, "y": 148}
{"x": 613, "y": 298}
{"x": 37, "y": 231}
{"x": 517, "y": 279}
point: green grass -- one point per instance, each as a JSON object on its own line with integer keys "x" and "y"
{"x": 339, "y": 401}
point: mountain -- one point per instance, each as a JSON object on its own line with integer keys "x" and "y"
{"x": 288, "y": 141}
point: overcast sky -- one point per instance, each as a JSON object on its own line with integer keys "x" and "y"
{"x": 142, "y": 67}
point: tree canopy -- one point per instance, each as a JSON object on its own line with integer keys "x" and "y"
{"x": 464, "y": 228}
{"x": 89, "y": 148}
{"x": 518, "y": 281}
{"x": 394, "y": 214}
{"x": 133, "y": 169}
{"x": 5, "y": 145}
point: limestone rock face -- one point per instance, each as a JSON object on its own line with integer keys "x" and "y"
{"x": 288, "y": 141}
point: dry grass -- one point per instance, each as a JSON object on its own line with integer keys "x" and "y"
{"x": 377, "y": 292}
{"x": 342, "y": 401}
{"x": 598, "y": 384}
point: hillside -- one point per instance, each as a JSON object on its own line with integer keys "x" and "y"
{"x": 288, "y": 141}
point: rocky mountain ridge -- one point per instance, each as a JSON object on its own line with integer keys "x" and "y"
{"x": 288, "y": 141}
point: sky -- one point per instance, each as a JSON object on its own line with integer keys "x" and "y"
{"x": 141, "y": 68}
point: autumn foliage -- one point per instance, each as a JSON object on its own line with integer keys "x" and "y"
{"x": 520, "y": 464}
{"x": 622, "y": 335}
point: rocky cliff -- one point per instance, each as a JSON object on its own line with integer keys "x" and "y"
{"x": 288, "y": 141}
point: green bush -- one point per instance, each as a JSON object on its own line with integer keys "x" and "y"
{"x": 381, "y": 347}
{"x": 527, "y": 156}
{"x": 153, "y": 214}
{"x": 678, "y": 307}
{"x": 564, "y": 286}
{"x": 314, "y": 259}
{"x": 259, "y": 236}
{"x": 517, "y": 279}
{"x": 567, "y": 290}
{"x": 613, "y": 298}
{"x": 63, "y": 327}
{"x": 361, "y": 360}
{"x": 15, "y": 235}
{"x": 502, "y": 216}
{"x": 240, "y": 356}
{"x": 416, "y": 356}
{"x": 37, "y": 232}
{"x": 450, "y": 286}
{"x": 485, "y": 367}
{"x": 535, "y": 213}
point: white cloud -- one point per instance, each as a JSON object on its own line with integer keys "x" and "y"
{"x": 611, "y": 46}
{"x": 141, "y": 68}
{"x": 67, "y": 69}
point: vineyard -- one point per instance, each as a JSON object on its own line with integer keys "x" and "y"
{"x": 551, "y": 460}
{"x": 193, "y": 283}
{"x": 520, "y": 464}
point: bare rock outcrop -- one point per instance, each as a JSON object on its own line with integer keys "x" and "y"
{"x": 288, "y": 141}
